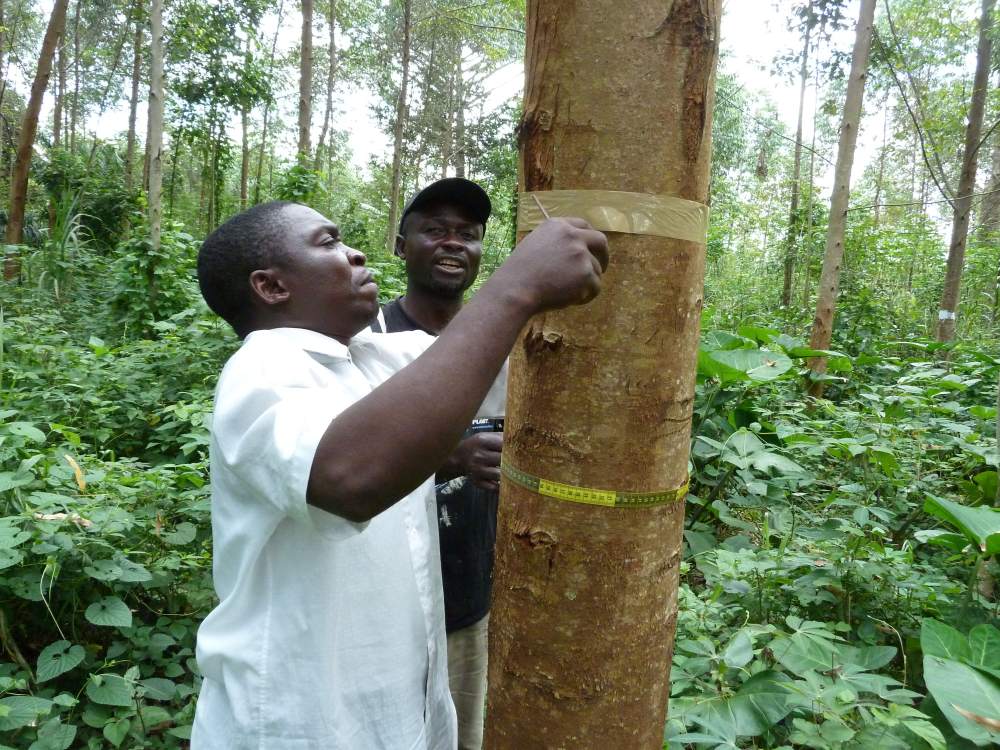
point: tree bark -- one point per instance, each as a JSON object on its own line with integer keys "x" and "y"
{"x": 155, "y": 139}
{"x": 267, "y": 109}
{"x": 134, "y": 97}
{"x": 585, "y": 597}
{"x": 331, "y": 78}
{"x": 967, "y": 181}
{"x": 397, "y": 131}
{"x": 29, "y": 126}
{"x": 57, "y": 112}
{"x": 305, "y": 83}
{"x": 829, "y": 278}
{"x": 75, "y": 105}
{"x": 793, "y": 203}
{"x": 244, "y": 159}
{"x": 458, "y": 144}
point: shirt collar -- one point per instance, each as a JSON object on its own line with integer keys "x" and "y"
{"x": 310, "y": 341}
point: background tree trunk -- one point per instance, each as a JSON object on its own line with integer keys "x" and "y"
{"x": 305, "y": 83}
{"x": 29, "y": 126}
{"x": 793, "y": 203}
{"x": 585, "y": 597}
{"x": 134, "y": 98}
{"x": 155, "y": 140}
{"x": 829, "y": 278}
{"x": 397, "y": 131}
{"x": 967, "y": 181}
{"x": 75, "y": 104}
{"x": 267, "y": 109}
{"x": 331, "y": 78}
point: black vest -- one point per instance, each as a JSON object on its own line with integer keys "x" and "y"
{"x": 467, "y": 520}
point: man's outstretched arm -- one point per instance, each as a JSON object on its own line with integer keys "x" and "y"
{"x": 382, "y": 447}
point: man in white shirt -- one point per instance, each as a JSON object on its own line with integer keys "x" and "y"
{"x": 329, "y": 633}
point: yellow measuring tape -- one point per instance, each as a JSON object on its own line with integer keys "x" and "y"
{"x": 588, "y": 496}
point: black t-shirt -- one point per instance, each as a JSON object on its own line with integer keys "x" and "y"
{"x": 467, "y": 519}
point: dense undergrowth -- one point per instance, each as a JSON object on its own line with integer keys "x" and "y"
{"x": 838, "y": 567}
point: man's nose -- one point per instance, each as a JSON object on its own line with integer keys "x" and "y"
{"x": 356, "y": 257}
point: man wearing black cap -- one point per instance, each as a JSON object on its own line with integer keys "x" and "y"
{"x": 440, "y": 241}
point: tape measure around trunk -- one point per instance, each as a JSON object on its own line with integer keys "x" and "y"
{"x": 589, "y": 496}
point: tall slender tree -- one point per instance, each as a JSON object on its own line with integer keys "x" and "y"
{"x": 793, "y": 203}
{"x": 585, "y": 597}
{"x": 962, "y": 201}
{"x": 305, "y": 83}
{"x": 331, "y": 79}
{"x": 29, "y": 126}
{"x": 155, "y": 137}
{"x": 134, "y": 96}
{"x": 829, "y": 279}
{"x": 399, "y": 124}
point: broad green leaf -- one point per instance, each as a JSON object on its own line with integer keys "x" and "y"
{"x": 759, "y": 704}
{"x": 22, "y": 710}
{"x": 942, "y": 538}
{"x": 109, "y": 690}
{"x": 868, "y": 657}
{"x": 803, "y": 651}
{"x": 116, "y": 730}
{"x": 765, "y": 460}
{"x": 10, "y": 557}
{"x": 983, "y": 412}
{"x": 26, "y": 430}
{"x": 984, "y": 644}
{"x": 958, "y": 686}
{"x": 159, "y": 689}
{"x": 183, "y": 533}
{"x": 977, "y": 523}
{"x": 133, "y": 572}
{"x": 54, "y": 735}
{"x": 58, "y": 658}
{"x": 938, "y": 639}
{"x": 12, "y": 536}
{"x": 104, "y": 570}
{"x": 755, "y": 364}
{"x": 109, "y": 611}
{"x": 758, "y": 333}
{"x": 739, "y": 650}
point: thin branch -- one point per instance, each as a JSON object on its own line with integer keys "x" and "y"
{"x": 770, "y": 127}
{"x": 916, "y": 125}
{"x": 935, "y": 151}
{"x": 922, "y": 203}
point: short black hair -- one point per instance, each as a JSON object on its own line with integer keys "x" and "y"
{"x": 253, "y": 239}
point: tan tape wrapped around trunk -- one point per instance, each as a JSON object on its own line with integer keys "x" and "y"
{"x": 618, "y": 211}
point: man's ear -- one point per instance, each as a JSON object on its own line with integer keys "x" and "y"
{"x": 400, "y": 247}
{"x": 268, "y": 287}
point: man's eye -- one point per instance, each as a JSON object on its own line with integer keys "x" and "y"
{"x": 435, "y": 231}
{"x": 469, "y": 236}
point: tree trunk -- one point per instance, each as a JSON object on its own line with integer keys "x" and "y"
{"x": 585, "y": 598}
{"x": 75, "y": 105}
{"x": 829, "y": 278}
{"x": 57, "y": 112}
{"x": 134, "y": 98}
{"x": 793, "y": 203}
{"x": 305, "y": 83}
{"x": 397, "y": 132}
{"x": 331, "y": 77}
{"x": 967, "y": 181}
{"x": 880, "y": 176}
{"x": 244, "y": 160}
{"x": 458, "y": 144}
{"x": 267, "y": 108}
{"x": 155, "y": 139}
{"x": 29, "y": 126}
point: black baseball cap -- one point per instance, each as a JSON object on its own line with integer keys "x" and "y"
{"x": 457, "y": 191}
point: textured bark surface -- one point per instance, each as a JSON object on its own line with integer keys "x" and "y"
{"x": 796, "y": 188}
{"x": 967, "y": 180}
{"x": 26, "y": 138}
{"x": 833, "y": 255}
{"x": 585, "y": 598}
{"x": 397, "y": 130}
{"x": 305, "y": 83}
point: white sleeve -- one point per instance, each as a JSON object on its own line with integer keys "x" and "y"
{"x": 265, "y": 439}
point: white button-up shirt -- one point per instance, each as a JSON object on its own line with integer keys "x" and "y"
{"x": 329, "y": 634}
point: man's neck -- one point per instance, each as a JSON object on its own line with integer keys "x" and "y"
{"x": 432, "y": 312}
